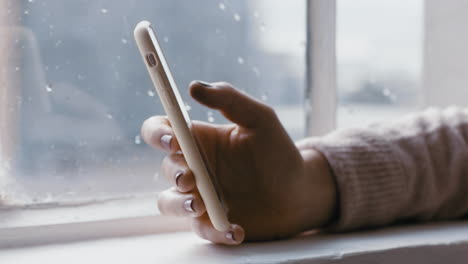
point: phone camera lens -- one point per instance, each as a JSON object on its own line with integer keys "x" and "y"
{"x": 151, "y": 59}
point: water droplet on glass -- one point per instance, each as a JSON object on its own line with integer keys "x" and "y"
{"x": 26, "y": 12}
{"x": 137, "y": 139}
{"x": 255, "y": 14}
{"x": 156, "y": 176}
{"x": 17, "y": 68}
{"x": 58, "y": 43}
{"x": 104, "y": 11}
{"x": 256, "y": 71}
{"x": 166, "y": 39}
{"x": 237, "y": 17}
{"x": 124, "y": 40}
{"x": 264, "y": 97}
{"x": 222, "y": 6}
{"x": 48, "y": 87}
{"x": 210, "y": 117}
{"x": 386, "y": 92}
{"x": 80, "y": 77}
{"x": 82, "y": 143}
{"x": 109, "y": 116}
{"x": 240, "y": 60}
{"x": 188, "y": 107}
{"x": 31, "y": 1}
{"x": 150, "y": 93}
{"x": 263, "y": 27}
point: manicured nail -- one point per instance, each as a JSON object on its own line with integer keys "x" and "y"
{"x": 230, "y": 237}
{"x": 188, "y": 205}
{"x": 177, "y": 177}
{"x": 166, "y": 142}
{"x": 205, "y": 84}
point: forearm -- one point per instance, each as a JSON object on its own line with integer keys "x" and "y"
{"x": 411, "y": 169}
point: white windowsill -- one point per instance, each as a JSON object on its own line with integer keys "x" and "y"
{"x": 79, "y": 221}
{"x": 78, "y": 211}
{"x": 431, "y": 243}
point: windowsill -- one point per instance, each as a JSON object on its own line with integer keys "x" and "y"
{"x": 90, "y": 220}
{"x": 77, "y": 212}
{"x": 434, "y": 243}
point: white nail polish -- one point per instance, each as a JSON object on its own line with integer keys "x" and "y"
{"x": 177, "y": 177}
{"x": 188, "y": 205}
{"x": 205, "y": 84}
{"x": 166, "y": 142}
{"x": 230, "y": 236}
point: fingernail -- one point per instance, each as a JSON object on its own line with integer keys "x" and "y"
{"x": 177, "y": 177}
{"x": 188, "y": 205}
{"x": 205, "y": 84}
{"x": 166, "y": 142}
{"x": 230, "y": 237}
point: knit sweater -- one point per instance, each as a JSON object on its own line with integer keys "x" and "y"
{"x": 415, "y": 168}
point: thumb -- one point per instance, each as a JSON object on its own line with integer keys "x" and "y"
{"x": 235, "y": 105}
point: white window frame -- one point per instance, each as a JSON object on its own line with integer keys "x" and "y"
{"x": 320, "y": 105}
{"x": 321, "y": 67}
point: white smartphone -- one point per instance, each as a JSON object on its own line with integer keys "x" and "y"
{"x": 180, "y": 121}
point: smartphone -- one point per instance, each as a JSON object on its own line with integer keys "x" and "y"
{"x": 180, "y": 121}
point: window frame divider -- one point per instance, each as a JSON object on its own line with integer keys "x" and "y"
{"x": 321, "y": 84}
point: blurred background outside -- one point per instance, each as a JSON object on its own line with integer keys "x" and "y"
{"x": 79, "y": 90}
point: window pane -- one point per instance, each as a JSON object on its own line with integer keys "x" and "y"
{"x": 379, "y": 52}
{"x": 81, "y": 91}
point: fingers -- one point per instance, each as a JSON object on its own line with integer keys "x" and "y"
{"x": 172, "y": 202}
{"x": 235, "y": 105}
{"x": 157, "y": 132}
{"x": 175, "y": 169}
{"x": 203, "y": 227}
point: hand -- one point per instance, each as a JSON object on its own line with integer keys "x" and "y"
{"x": 271, "y": 189}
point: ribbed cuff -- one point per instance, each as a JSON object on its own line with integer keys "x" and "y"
{"x": 370, "y": 179}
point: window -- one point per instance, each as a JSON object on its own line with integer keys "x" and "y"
{"x": 77, "y": 91}
{"x": 379, "y": 59}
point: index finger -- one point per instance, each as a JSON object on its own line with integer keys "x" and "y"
{"x": 157, "y": 132}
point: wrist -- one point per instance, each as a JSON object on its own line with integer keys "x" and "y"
{"x": 321, "y": 189}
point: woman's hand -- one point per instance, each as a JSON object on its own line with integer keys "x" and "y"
{"x": 271, "y": 189}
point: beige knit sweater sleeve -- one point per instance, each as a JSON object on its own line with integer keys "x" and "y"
{"x": 412, "y": 169}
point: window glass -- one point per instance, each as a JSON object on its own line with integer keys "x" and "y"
{"x": 379, "y": 53}
{"x": 78, "y": 90}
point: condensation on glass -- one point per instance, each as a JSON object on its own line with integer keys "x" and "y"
{"x": 74, "y": 91}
